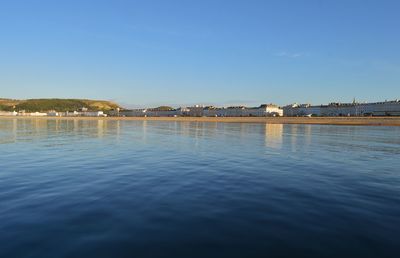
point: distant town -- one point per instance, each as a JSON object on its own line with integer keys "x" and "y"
{"x": 59, "y": 108}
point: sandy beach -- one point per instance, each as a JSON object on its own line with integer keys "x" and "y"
{"x": 366, "y": 121}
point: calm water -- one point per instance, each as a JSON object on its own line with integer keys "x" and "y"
{"x": 172, "y": 189}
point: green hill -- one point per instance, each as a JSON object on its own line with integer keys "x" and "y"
{"x": 38, "y": 105}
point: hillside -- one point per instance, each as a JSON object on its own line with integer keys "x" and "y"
{"x": 33, "y": 105}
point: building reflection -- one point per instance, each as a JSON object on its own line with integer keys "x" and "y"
{"x": 273, "y": 135}
{"x": 8, "y": 131}
{"x": 100, "y": 128}
{"x": 299, "y": 136}
{"x": 307, "y": 134}
{"x": 14, "y": 129}
{"x": 144, "y": 134}
{"x": 29, "y": 129}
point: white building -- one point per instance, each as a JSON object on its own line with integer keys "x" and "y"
{"x": 241, "y": 111}
{"x": 93, "y": 113}
{"x": 53, "y": 113}
{"x": 269, "y": 110}
{"x": 35, "y": 114}
{"x": 161, "y": 113}
{"x": 133, "y": 112}
{"x": 302, "y": 110}
{"x": 387, "y": 108}
{"x": 69, "y": 113}
{"x": 83, "y": 113}
{"x": 154, "y": 112}
{"x": 8, "y": 113}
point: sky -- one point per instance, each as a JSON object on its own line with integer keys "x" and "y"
{"x": 220, "y": 52}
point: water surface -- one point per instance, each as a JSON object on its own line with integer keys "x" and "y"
{"x": 88, "y": 188}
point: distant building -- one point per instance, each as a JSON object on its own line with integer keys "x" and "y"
{"x": 85, "y": 113}
{"x": 71, "y": 113}
{"x": 7, "y": 113}
{"x": 301, "y": 110}
{"x": 36, "y": 114}
{"x": 92, "y": 113}
{"x": 133, "y": 112}
{"x": 242, "y": 111}
{"x": 234, "y": 111}
{"x": 53, "y": 113}
{"x": 155, "y": 112}
{"x": 211, "y": 111}
{"x": 197, "y": 110}
{"x": 264, "y": 110}
{"x": 387, "y": 108}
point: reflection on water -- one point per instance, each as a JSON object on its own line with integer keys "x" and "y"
{"x": 273, "y": 135}
{"x": 18, "y": 129}
{"x": 107, "y": 188}
{"x": 12, "y": 130}
{"x": 298, "y": 137}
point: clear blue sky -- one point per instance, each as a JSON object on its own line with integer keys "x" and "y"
{"x": 150, "y": 52}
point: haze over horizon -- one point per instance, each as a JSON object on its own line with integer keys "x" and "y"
{"x": 142, "y": 53}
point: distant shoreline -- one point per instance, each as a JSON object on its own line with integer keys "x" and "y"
{"x": 366, "y": 121}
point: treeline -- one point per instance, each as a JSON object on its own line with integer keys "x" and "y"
{"x": 61, "y": 105}
{"x": 34, "y": 105}
{"x": 6, "y": 108}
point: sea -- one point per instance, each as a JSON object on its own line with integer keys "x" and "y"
{"x": 108, "y": 188}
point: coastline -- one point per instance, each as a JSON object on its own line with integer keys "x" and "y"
{"x": 360, "y": 121}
